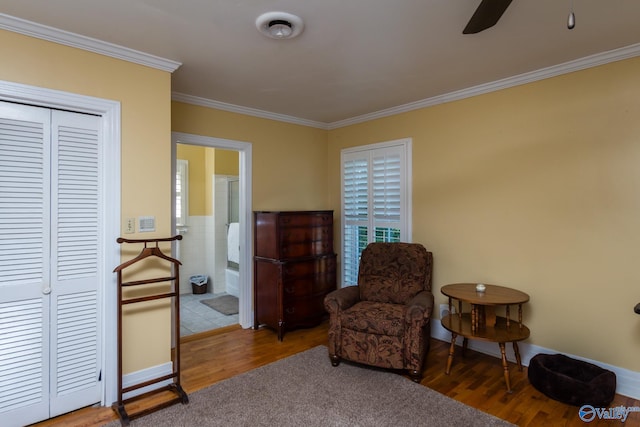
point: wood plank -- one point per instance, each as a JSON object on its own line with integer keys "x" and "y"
{"x": 475, "y": 379}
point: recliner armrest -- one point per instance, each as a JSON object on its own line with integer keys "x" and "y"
{"x": 341, "y": 299}
{"x": 420, "y": 307}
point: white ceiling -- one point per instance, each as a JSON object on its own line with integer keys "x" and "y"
{"x": 354, "y": 58}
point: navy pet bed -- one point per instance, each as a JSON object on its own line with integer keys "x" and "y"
{"x": 572, "y": 381}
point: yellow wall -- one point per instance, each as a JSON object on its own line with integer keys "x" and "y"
{"x": 144, "y": 94}
{"x": 204, "y": 162}
{"x": 289, "y": 161}
{"x": 195, "y": 155}
{"x": 227, "y": 162}
{"x": 535, "y": 187}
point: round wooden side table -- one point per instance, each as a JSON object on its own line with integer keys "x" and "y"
{"x": 481, "y": 322}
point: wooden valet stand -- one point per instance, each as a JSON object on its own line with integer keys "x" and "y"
{"x": 174, "y": 294}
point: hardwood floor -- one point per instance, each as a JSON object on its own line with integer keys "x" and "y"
{"x": 476, "y": 380}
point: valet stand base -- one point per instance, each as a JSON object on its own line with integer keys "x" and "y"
{"x": 125, "y": 417}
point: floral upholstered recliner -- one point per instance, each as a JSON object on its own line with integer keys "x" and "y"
{"x": 384, "y": 321}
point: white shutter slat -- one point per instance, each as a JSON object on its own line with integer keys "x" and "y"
{"x": 77, "y": 350}
{"x": 23, "y": 210}
{"x": 77, "y": 204}
{"x": 387, "y": 188}
{"x": 21, "y": 354}
{"x": 355, "y": 188}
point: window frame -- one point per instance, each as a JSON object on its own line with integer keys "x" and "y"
{"x": 404, "y": 148}
{"x": 182, "y": 211}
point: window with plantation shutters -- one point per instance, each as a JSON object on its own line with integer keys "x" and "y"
{"x": 375, "y": 200}
{"x": 50, "y": 239}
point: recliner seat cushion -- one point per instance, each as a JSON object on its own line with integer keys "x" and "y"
{"x": 375, "y": 318}
{"x": 572, "y": 381}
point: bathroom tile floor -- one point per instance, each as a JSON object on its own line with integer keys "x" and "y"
{"x": 196, "y": 317}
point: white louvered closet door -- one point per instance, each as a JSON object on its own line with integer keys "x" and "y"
{"x": 50, "y": 240}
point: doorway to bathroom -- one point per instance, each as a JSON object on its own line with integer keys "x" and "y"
{"x": 212, "y": 212}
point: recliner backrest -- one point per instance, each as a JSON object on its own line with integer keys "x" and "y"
{"x": 394, "y": 272}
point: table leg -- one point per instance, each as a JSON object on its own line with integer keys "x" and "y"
{"x": 517, "y": 353}
{"x": 451, "y": 351}
{"x": 505, "y": 366}
{"x": 465, "y": 344}
{"x": 474, "y": 319}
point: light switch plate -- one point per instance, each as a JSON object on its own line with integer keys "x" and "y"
{"x": 130, "y": 226}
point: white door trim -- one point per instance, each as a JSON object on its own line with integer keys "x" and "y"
{"x": 245, "y": 313}
{"x": 109, "y": 110}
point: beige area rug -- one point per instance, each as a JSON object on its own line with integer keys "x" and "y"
{"x": 225, "y": 304}
{"x": 305, "y": 390}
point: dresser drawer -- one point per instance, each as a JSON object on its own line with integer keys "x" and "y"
{"x": 305, "y": 234}
{"x": 306, "y": 249}
{"x": 302, "y": 311}
{"x": 292, "y": 270}
{"x": 284, "y": 235}
{"x": 305, "y": 286}
{"x": 304, "y": 278}
{"x": 309, "y": 286}
{"x": 311, "y": 219}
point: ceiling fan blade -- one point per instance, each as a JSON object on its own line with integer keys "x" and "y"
{"x": 486, "y": 15}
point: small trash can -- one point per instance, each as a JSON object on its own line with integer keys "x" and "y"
{"x": 199, "y": 283}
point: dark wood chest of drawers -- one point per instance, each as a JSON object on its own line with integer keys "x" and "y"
{"x": 294, "y": 268}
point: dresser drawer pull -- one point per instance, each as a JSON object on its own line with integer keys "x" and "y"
{"x": 290, "y": 310}
{"x": 290, "y": 290}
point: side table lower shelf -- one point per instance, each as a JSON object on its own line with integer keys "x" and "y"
{"x": 503, "y": 331}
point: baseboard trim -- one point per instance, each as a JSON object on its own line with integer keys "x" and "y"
{"x": 627, "y": 381}
{"x": 147, "y": 374}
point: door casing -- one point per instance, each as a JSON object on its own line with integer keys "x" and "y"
{"x": 245, "y": 314}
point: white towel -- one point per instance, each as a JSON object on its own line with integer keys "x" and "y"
{"x": 233, "y": 243}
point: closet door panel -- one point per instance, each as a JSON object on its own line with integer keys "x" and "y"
{"x": 76, "y": 242}
{"x": 24, "y": 263}
{"x": 50, "y": 279}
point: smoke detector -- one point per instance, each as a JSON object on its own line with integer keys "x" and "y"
{"x": 279, "y": 25}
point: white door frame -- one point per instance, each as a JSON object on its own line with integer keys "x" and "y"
{"x": 109, "y": 110}
{"x": 245, "y": 312}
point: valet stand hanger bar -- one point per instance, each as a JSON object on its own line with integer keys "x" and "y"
{"x": 151, "y": 249}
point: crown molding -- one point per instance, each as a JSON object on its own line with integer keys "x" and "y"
{"x": 32, "y": 29}
{"x": 204, "y": 102}
{"x": 55, "y": 35}
{"x": 533, "y": 76}
{"x": 521, "y": 79}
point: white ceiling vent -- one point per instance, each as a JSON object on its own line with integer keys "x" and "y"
{"x": 279, "y": 25}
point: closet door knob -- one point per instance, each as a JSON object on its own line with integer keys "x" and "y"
{"x": 46, "y": 290}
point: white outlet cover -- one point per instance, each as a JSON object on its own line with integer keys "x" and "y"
{"x": 444, "y": 310}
